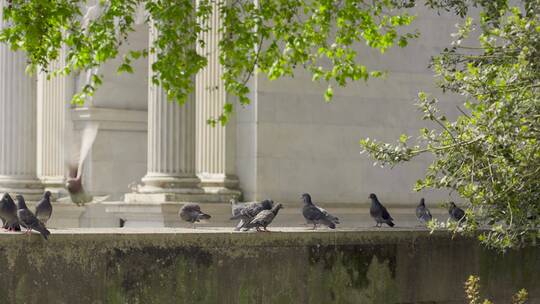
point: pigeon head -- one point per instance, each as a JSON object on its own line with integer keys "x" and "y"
{"x": 21, "y": 204}
{"x": 47, "y": 194}
{"x": 5, "y": 196}
{"x": 373, "y": 196}
{"x": 451, "y": 205}
{"x": 306, "y": 198}
{"x": 267, "y": 204}
{"x": 422, "y": 202}
{"x": 73, "y": 185}
{"x": 276, "y": 208}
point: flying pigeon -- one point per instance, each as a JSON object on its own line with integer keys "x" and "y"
{"x": 192, "y": 213}
{"x": 28, "y": 220}
{"x": 78, "y": 154}
{"x": 248, "y": 212}
{"x": 316, "y": 215}
{"x": 44, "y": 208}
{"x": 379, "y": 213}
{"x": 422, "y": 212}
{"x": 8, "y": 213}
{"x": 264, "y": 218}
{"x": 457, "y": 214}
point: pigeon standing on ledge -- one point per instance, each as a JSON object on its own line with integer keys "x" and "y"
{"x": 192, "y": 213}
{"x": 264, "y": 218}
{"x": 44, "y": 208}
{"x": 457, "y": 214}
{"x": 247, "y": 213}
{"x": 422, "y": 212}
{"x": 78, "y": 154}
{"x": 28, "y": 220}
{"x": 316, "y": 215}
{"x": 8, "y": 213}
{"x": 379, "y": 213}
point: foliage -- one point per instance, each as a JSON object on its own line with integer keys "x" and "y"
{"x": 472, "y": 291}
{"x": 274, "y": 36}
{"x": 490, "y": 154}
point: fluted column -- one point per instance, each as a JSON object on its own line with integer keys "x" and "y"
{"x": 171, "y": 142}
{"x": 17, "y": 123}
{"x": 53, "y": 96}
{"x": 215, "y": 145}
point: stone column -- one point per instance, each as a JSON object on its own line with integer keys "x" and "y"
{"x": 215, "y": 145}
{"x": 171, "y": 148}
{"x": 53, "y": 97}
{"x": 17, "y": 124}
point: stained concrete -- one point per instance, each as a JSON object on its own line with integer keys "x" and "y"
{"x": 215, "y": 265}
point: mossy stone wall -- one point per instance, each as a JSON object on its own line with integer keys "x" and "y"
{"x": 280, "y": 267}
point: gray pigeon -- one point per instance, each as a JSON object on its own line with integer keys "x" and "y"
{"x": 28, "y": 220}
{"x": 8, "y": 213}
{"x": 248, "y": 212}
{"x": 422, "y": 212}
{"x": 44, "y": 208}
{"x": 192, "y": 213}
{"x": 379, "y": 213}
{"x": 264, "y": 218}
{"x": 316, "y": 215}
{"x": 457, "y": 214}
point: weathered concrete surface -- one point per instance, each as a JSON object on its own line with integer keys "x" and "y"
{"x": 286, "y": 266}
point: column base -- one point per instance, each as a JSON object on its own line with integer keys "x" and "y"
{"x": 162, "y": 188}
{"x": 224, "y": 187}
{"x": 30, "y": 188}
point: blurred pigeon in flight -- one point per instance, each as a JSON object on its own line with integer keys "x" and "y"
{"x": 44, "y": 208}
{"x": 379, "y": 213}
{"x": 316, "y": 215}
{"x": 28, "y": 220}
{"x": 79, "y": 152}
{"x": 8, "y": 213}
{"x": 264, "y": 218}
{"x": 248, "y": 212}
{"x": 422, "y": 212}
{"x": 192, "y": 213}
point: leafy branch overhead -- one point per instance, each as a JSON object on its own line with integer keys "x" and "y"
{"x": 490, "y": 154}
{"x": 271, "y": 37}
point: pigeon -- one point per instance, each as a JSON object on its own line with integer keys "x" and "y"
{"x": 248, "y": 212}
{"x": 192, "y": 213}
{"x": 264, "y": 218}
{"x": 28, "y": 220}
{"x": 8, "y": 213}
{"x": 316, "y": 215}
{"x": 78, "y": 154}
{"x": 457, "y": 214}
{"x": 422, "y": 212}
{"x": 379, "y": 213}
{"x": 44, "y": 208}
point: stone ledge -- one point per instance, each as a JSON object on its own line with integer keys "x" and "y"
{"x": 166, "y": 265}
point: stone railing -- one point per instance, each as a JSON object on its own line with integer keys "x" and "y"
{"x": 166, "y": 265}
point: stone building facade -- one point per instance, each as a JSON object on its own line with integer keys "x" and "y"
{"x": 286, "y": 142}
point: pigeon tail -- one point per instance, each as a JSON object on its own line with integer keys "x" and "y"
{"x": 43, "y": 231}
{"x": 204, "y": 216}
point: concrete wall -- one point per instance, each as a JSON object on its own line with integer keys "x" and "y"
{"x": 176, "y": 266}
{"x": 306, "y": 145}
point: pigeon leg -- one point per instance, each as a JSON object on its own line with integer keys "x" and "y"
{"x": 314, "y": 227}
{"x": 266, "y": 230}
{"x": 258, "y": 229}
